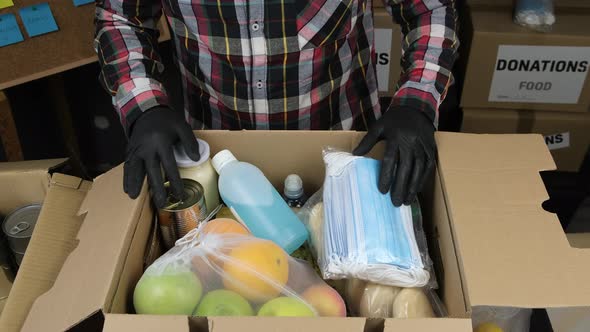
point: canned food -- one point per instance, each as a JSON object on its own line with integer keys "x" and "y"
{"x": 181, "y": 216}
{"x": 18, "y": 228}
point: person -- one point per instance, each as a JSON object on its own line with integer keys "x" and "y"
{"x": 281, "y": 64}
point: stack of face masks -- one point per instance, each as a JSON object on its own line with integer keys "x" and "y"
{"x": 364, "y": 235}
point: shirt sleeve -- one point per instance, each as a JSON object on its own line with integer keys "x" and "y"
{"x": 429, "y": 50}
{"x": 126, "y": 42}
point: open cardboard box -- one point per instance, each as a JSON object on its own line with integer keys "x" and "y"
{"x": 23, "y": 183}
{"x": 491, "y": 241}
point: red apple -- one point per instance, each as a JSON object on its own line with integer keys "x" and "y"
{"x": 326, "y": 301}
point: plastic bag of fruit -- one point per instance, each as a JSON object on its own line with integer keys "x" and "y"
{"x": 500, "y": 319}
{"x": 220, "y": 269}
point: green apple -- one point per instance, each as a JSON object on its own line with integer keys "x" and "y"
{"x": 286, "y": 307}
{"x": 223, "y": 302}
{"x": 171, "y": 293}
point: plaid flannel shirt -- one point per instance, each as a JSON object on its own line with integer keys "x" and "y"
{"x": 273, "y": 64}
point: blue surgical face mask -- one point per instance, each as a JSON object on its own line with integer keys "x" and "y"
{"x": 365, "y": 236}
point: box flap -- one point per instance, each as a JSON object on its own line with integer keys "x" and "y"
{"x": 52, "y": 241}
{"x": 431, "y": 324}
{"x": 145, "y": 323}
{"x": 24, "y": 182}
{"x": 512, "y": 252}
{"x": 90, "y": 273}
{"x": 286, "y": 324}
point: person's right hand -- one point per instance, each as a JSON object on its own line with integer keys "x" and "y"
{"x": 151, "y": 143}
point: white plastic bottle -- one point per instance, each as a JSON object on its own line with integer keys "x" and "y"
{"x": 201, "y": 171}
{"x": 253, "y": 200}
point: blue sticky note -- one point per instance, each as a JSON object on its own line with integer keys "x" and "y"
{"x": 82, "y": 2}
{"x": 9, "y": 30}
{"x": 38, "y": 19}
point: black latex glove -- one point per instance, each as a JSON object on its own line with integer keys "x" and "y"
{"x": 151, "y": 143}
{"x": 409, "y": 151}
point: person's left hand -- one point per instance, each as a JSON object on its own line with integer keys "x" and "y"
{"x": 410, "y": 151}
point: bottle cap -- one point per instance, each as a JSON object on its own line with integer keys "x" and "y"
{"x": 293, "y": 186}
{"x": 221, "y": 159}
{"x": 183, "y": 160}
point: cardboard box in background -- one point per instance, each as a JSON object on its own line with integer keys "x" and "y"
{"x": 388, "y": 49}
{"x": 559, "y": 4}
{"x": 511, "y": 67}
{"x": 29, "y": 182}
{"x": 567, "y": 135}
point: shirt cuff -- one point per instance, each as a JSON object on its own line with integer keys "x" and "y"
{"x": 137, "y": 96}
{"x": 419, "y": 99}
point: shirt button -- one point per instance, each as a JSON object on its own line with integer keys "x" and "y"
{"x": 255, "y": 26}
{"x": 259, "y": 84}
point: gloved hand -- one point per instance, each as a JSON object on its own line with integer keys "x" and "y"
{"x": 410, "y": 151}
{"x": 151, "y": 142}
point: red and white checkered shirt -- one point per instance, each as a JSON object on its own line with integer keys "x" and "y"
{"x": 273, "y": 64}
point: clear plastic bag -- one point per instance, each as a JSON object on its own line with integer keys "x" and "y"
{"x": 505, "y": 319}
{"x": 224, "y": 272}
{"x": 366, "y": 299}
{"x": 535, "y": 14}
{"x": 356, "y": 232}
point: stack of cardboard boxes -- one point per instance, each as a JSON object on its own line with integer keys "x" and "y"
{"x": 521, "y": 81}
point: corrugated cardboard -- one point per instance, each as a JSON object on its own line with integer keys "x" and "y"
{"x": 22, "y": 183}
{"x": 559, "y": 4}
{"x": 115, "y": 231}
{"x": 513, "y": 252}
{"x": 483, "y": 203}
{"x": 567, "y": 134}
{"x": 388, "y": 48}
{"x": 53, "y": 239}
{"x": 493, "y": 28}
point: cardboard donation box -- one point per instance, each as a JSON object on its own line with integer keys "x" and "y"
{"x": 567, "y": 134}
{"x": 388, "y": 49}
{"x": 489, "y": 238}
{"x": 512, "y": 67}
{"x": 23, "y": 183}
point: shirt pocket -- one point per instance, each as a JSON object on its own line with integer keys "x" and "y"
{"x": 218, "y": 27}
{"x": 323, "y": 22}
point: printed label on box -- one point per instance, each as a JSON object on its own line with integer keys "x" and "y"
{"x": 9, "y": 30}
{"x": 383, "y": 50}
{"x": 558, "y": 141}
{"x": 539, "y": 74}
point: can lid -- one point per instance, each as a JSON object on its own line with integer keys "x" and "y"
{"x": 21, "y": 222}
{"x": 193, "y": 194}
{"x": 183, "y": 160}
{"x": 293, "y": 186}
{"x": 221, "y": 159}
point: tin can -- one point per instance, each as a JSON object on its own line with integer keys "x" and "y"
{"x": 6, "y": 261}
{"x": 18, "y": 228}
{"x": 180, "y": 217}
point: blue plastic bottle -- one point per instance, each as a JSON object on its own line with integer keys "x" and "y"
{"x": 252, "y": 198}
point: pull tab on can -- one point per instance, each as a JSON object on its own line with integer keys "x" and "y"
{"x": 19, "y": 228}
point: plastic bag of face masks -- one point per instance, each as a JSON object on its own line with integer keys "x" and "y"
{"x": 356, "y": 232}
{"x": 219, "y": 269}
{"x": 535, "y": 14}
{"x": 505, "y": 319}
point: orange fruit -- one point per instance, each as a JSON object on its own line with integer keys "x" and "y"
{"x": 224, "y": 225}
{"x": 257, "y": 270}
